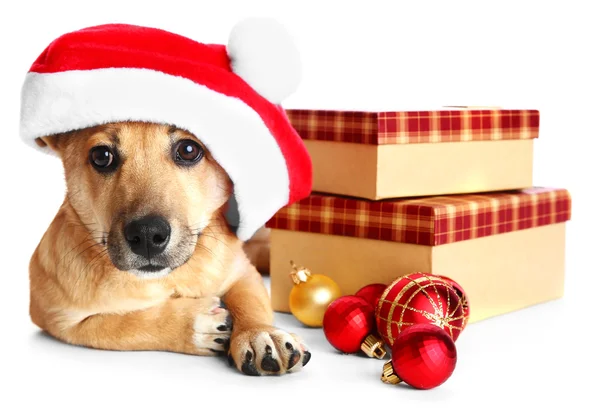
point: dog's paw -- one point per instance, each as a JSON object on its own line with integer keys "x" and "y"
{"x": 267, "y": 351}
{"x": 212, "y": 329}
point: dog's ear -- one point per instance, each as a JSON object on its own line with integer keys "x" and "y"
{"x": 51, "y": 142}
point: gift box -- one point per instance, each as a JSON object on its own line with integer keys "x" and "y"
{"x": 378, "y": 155}
{"x": 506, "y": 249}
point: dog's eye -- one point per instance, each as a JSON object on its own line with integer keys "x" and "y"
{"x": 102, "y": 158}
{"x": 188, "y": 152}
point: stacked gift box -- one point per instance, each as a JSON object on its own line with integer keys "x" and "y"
{"x": 447, "y": 191}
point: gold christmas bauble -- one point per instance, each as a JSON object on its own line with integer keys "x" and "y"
{"x": 311, "y": 295}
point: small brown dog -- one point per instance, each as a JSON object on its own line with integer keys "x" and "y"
{"x": 140, "y": 254}
{"x": 175, "y": 152}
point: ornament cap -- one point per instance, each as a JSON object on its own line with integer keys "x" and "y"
{"x": 389, "y": 375}
{"x": 299, "y": 274}
{"x": 372, "y": 346}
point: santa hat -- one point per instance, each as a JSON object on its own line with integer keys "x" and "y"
{"x": 228, "y": 96}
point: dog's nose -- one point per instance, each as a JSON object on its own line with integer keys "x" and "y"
{"x": 148, "y": 236}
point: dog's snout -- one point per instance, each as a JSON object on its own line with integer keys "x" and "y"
{"x": 148, "y": 236}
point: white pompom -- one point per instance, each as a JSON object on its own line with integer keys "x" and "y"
{"x": 264, "y": 55}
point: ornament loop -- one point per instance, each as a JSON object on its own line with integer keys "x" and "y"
{"x": 388, "y": 375}
{"x": 372, "y": 346}
{"x": 299, "y": 274}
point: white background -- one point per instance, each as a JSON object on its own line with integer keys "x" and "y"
{"x": 369, "y": 54}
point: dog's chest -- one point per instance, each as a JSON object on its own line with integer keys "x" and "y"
{"x": 195, "y": 287}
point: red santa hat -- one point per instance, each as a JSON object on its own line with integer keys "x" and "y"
{"x": 228, "y": 96}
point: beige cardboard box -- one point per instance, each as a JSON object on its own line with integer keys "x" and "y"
{"x": 505, "y": 249}
{"x": 378, "y": 155}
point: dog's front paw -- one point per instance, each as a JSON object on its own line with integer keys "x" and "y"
{"x": 212, "y": 329}
{"x": 267, "y": 351}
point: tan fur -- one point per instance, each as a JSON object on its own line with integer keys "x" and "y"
{"x": 258, "y": 250}
{"x": 80, "y": 297}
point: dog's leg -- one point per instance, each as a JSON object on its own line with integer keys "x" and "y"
{"x": 186, "y": 325}
{"x": 258, "y": 250}
{"x": 258, "y": 348}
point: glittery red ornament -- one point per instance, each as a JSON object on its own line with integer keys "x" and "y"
{"x": 416, "y": 299}
{"x": 461, "y": 294}
{"x": 349, "y": 324}
{"x": 423, "y": 356}
{"x": 371, "y": 293}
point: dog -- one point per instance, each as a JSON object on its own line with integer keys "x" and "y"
{"x": 140, "y": 255}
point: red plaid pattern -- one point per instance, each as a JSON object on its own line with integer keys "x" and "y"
{"x": 383, "y": 128}
{"x": 427, "y": 221}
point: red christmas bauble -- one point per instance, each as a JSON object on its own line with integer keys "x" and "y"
{"x": 461, "y": 294}
{"x": 347, "y": 322}
{"x": 371, "y": 293}
{"x": 423, "y": 356}
{"x": 416, "y": 299}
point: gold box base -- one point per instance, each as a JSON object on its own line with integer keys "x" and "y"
{"x": 390, "y": 171}
{"x": 500, "y": 273}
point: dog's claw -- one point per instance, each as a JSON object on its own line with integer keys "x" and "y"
{"x": 293, "y": 359}
{"x": 269, "y": 363}
{"x": 249, "y": 369}
{"x": 248, "y": 366}
{"x": 306, "y": 358}
{"x": 226, "y": 326}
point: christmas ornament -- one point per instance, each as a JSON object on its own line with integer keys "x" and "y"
{"x": 423, "y": 356}
{"x": 311, "y": 295}
{"x": 349, "y": 324}
{"x": 461, "y": 294}
{"x": 371, "y": 293}
{"x": 419, "y": 298}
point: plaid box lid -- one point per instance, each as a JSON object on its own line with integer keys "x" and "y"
{"x": 427, "y": 221}
{"x": 408, "y": 127}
